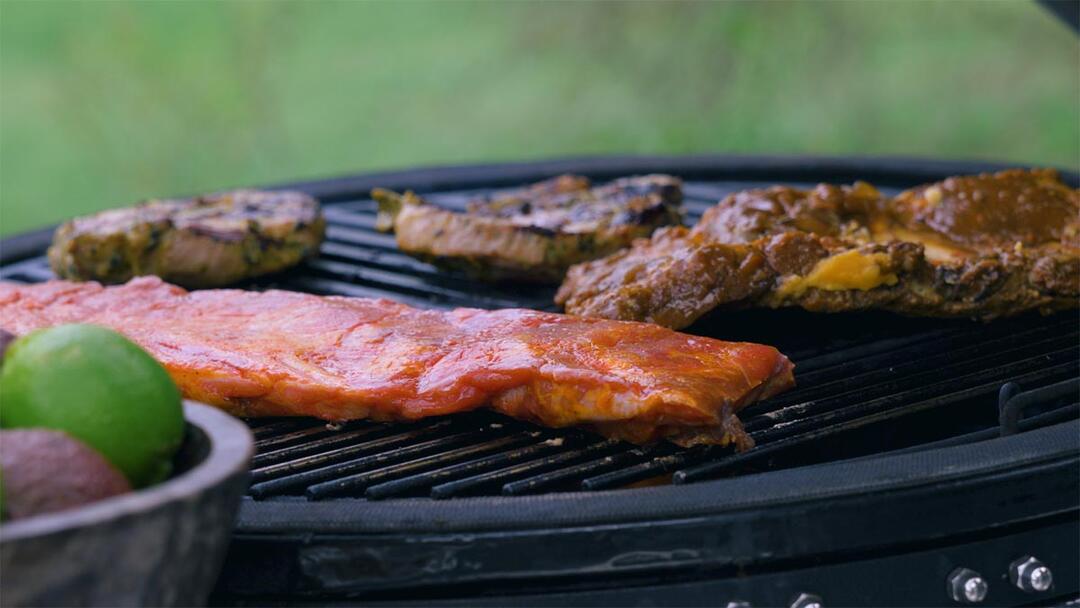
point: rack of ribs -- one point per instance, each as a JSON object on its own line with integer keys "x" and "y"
{"x": 981, "y": 246}
{"x": 280, "y": 353}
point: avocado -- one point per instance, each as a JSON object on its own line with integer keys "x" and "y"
{"x": 46, "y": 471}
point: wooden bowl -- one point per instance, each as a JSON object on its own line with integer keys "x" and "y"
{"x": 158, "y": 546}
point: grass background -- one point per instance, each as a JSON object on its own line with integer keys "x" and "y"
{"x": 103, "y": 104}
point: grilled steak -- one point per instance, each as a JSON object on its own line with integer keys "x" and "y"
{"x": 279, "y": 353}
{"x": 979, "y": 246}
{"x": 205, "y": 241}
{"x": 535, "y": 233}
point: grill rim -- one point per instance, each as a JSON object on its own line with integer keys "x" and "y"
{"x": 340, "y": 560}
{"x": 878, "y": 170}
{"x": 783, "y": 491}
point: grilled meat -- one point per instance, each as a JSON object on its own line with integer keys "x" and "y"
{"x": 535, "y": 233}
{"x": 205, "y": 241}
{"x": 280, "y": 353}
{"x": 979, "y": 246}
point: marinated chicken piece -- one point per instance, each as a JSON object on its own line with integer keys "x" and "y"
{"x": 535, "y": 233}
{"x": 205, "y": 241}
{"x": 981, "y": 246}
{"x": 279, "y": 353}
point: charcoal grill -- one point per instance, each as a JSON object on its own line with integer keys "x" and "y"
{"x": 913, "y": 457}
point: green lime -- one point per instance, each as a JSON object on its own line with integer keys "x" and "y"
{"x": 99, "y": 387}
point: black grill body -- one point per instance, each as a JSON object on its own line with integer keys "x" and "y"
{"x": 910, "y": 448}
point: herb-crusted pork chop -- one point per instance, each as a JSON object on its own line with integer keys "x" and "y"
{"x": 534, "y": 233}
{"x": 981, "y": 246}
{"x": 206, "y": 241}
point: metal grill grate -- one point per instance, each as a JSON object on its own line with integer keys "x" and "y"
{"x": 868, "y": 383}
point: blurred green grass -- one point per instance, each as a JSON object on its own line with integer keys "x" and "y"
{"x": 104, "y": 104}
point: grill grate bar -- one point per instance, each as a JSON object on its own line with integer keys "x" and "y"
{"x": 385, "y": 457}
{"x": 482, "y": 481}
{"x": 268, "y": 427}
{"x": 832, "y": 362}
{"x": 422, "y": 482}
{"x": 893, "y": 393}
{"x": 354, "y": 484}
{"x": 883, "y": 353}
{"x": 361, "y": 238}
{"x": 29, "y": 271}
{"x": 546, "y": 481}
{"x": 837, "y": 422}
{"x": 848, "y": 357}
{"x": 265, "y": 458}
{"x": 308, "y": 434}
{"x": 654, "y": 468}
{"x": 404, "y": 283}
{"x": 858, "y": 369}
{"x": 416, "y": 276}
{"x": 830, "y": 411}
{"x": 391, "y": 261}
{"x": 365, "y": 206}
{"x": 352, "y": 217}
{"x": 519, "y": 295}
{"x": 1054, "y": 416}
{"x": 318, "y": 467}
